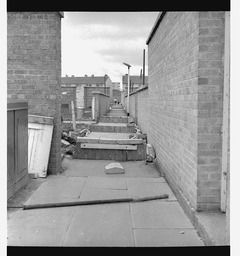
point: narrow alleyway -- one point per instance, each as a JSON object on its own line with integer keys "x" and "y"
{"x": 160, "y": 222}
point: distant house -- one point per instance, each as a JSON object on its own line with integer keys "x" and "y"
{"x": 79, "y": 89}
{"x": 136, "y": 82}
{"x": 116, "y": 85}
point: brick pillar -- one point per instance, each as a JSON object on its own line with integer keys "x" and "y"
{"x": 210, "y": 109}
{"x": 34, "y": 69}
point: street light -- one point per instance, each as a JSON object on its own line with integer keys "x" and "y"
{"x": 128, "y": 86}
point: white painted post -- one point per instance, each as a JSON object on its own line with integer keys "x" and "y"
{"x": 226, "y": 109}
{"x": 128, "y": 108}
{"x": 93, "y": 108}
{"x": 73, "y": 116}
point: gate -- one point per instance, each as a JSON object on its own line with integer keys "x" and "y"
{"x": 17, "y": 146}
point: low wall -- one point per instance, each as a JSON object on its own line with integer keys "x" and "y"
{"x": 138, "y": 107}
{"x": 100, "y": 104}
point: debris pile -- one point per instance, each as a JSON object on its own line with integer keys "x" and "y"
{"x": 150, "y": 152}
{"x": 67, "y": 144}
{"x": 151, "y": 156}
{"x": 69, "y": 140}
{"x": 138, "y": 134}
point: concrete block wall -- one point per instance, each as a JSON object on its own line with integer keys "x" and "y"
{"x": 68, "y": 95}
{"x": 34, "y": 68}
{"x": 88, "y": 93}
{"x": 101, "y": 104}
{"x": 133, "y": 98}
{"x": 142, "y": 110}
{"x": 138, "y": 102}
{"x": 184, "y": 103}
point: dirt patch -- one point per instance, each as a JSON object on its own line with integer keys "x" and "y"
{"x": 24, "y": 193}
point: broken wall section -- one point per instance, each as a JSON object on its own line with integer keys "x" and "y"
{"x": 34, "y": 69}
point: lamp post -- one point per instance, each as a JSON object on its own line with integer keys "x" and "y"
{"x": 128, "y": 86}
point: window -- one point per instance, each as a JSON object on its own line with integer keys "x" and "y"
{"x": 65, "y": 107}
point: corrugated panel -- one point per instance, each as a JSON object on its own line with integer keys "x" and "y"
{"x": 39, "y": 144}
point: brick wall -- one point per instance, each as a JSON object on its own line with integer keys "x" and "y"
{"x": 184, "y": 104}
{"x": 34, "y": 68}
{"x": 210, "y": 108}
{"x": 101, "y": 104}
{"x": 88, "y": 94}
{"x": 138, "y": 108}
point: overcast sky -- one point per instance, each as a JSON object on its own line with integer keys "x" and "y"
{"x": 99, "y": 42}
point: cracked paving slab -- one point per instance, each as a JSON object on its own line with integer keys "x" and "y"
{"x": 41, "y": 227}
{"x": 59, "y": 189}
{"x": 100, "y": 225}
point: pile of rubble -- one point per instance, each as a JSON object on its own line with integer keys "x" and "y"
{"x": 151, "y": 155}
{"x": 138, "y": 134}
{"x": 69, "y": 141}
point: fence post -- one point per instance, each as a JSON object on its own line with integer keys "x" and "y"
{"x": 73, "y": 116}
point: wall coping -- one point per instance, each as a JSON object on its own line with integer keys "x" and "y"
{"x": 100, "y": 93}
{"x": 61, "y": 14}
{"x": 155, "y": 26}
{"x": 139, "y": 90}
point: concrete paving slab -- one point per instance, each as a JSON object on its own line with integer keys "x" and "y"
{"x": 139, "y": 169}
{"x": 61, "y": 189}
{"x": 42, "y": 227}
{"x": 83, "y": 168}
{"x": 214, "y": 225}
{"x": 158, "y": 214}
{"x": 114, "y": 168}
{"x": 100, "y": 225}
{"x": 89, "y": 194}
{"x": 106, "y": 183}
{"x": 146, "y": 187}
{"x": 167, "y": 237}
{"x": 144, "y": 180}
{"x": 116, "y": 114}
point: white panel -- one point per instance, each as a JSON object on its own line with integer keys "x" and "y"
{"x": 39, "y": 143}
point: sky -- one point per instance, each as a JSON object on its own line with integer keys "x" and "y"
{"x": 99, "y": 42}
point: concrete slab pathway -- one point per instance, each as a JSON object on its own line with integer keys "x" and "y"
{"x": 151, "y": 223}
{"x": 85, "y": 168}
{"x": 100, "y": 225}
{"x": 41, "y": 227}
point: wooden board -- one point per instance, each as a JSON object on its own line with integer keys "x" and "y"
{"x": 39, "y": 143}
{"x": 108, "y": 146}
{"x": 40, "y": 119}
